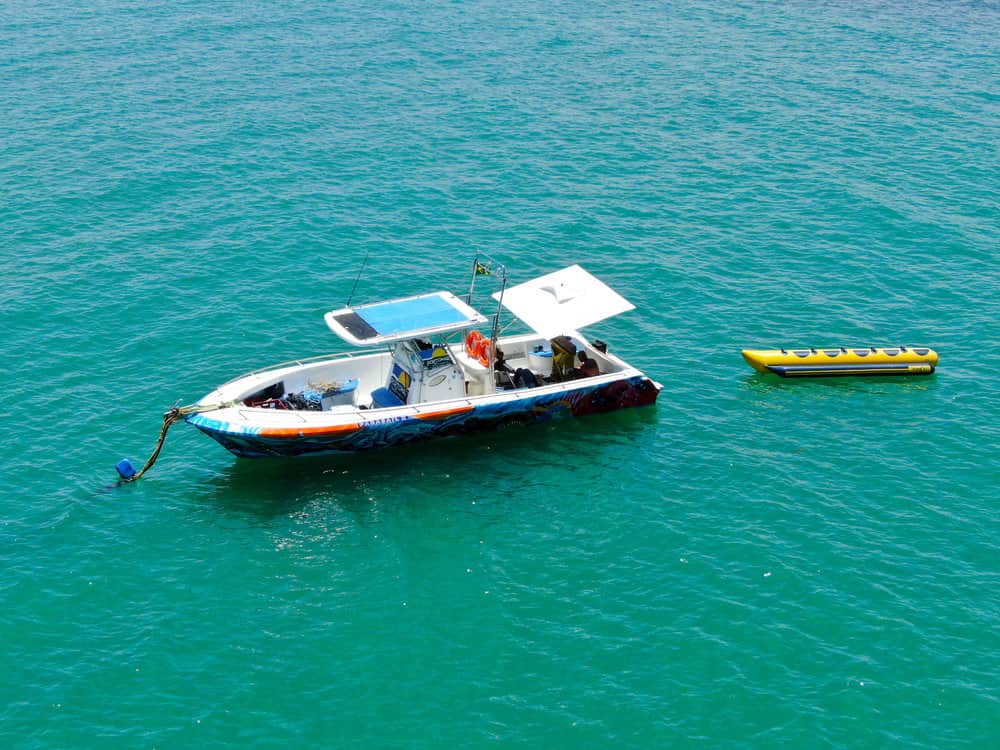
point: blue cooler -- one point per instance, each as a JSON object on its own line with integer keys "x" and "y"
{"x": 540, "y": 360}
{"x": 342, "y": 395}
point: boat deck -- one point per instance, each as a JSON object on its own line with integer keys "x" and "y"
{"x": 351, "y": 379}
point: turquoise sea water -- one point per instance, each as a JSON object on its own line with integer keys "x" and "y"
{"x": 752, "y": 563}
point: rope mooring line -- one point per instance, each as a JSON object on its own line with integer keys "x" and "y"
{"x": 125, "y": 468}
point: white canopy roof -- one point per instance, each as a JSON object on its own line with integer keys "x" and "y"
{"x": 563, "y": 302}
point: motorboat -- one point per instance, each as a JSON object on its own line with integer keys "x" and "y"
{"x": 432, "y": 365}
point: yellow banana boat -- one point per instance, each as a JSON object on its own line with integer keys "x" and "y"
{"x": 833, "y": 361}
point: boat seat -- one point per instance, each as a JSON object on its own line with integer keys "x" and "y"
{"x": 471, "y": 364}
{"x": 383, "y": 397}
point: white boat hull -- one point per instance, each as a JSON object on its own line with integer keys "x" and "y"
{"x": 257, "y": 431}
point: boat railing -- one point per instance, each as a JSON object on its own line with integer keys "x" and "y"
{"x": 304, "y": 361}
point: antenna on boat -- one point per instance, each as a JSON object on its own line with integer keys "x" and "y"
{"x": 360, "y": 271}
{"x": 495, "y": 333}
{"x": 472, "y": 283}
{"x": 489, "y": 267}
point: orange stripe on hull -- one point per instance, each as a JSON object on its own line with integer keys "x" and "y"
{"x": 296, "y": 432}
{"x": 446, "y": 412}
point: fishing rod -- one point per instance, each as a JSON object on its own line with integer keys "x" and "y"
{"x": 356, "y": 280}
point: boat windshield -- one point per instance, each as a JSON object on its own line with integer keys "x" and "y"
{"x": 401, "y": 319}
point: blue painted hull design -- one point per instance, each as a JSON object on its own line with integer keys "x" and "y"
{"x": 821, "y": 371}
{"x": 369, "y": 434}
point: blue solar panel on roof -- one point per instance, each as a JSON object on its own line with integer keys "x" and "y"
{"x": 389, "y": 318}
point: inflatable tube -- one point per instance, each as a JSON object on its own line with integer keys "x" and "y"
{"x": 842, "y": 361}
